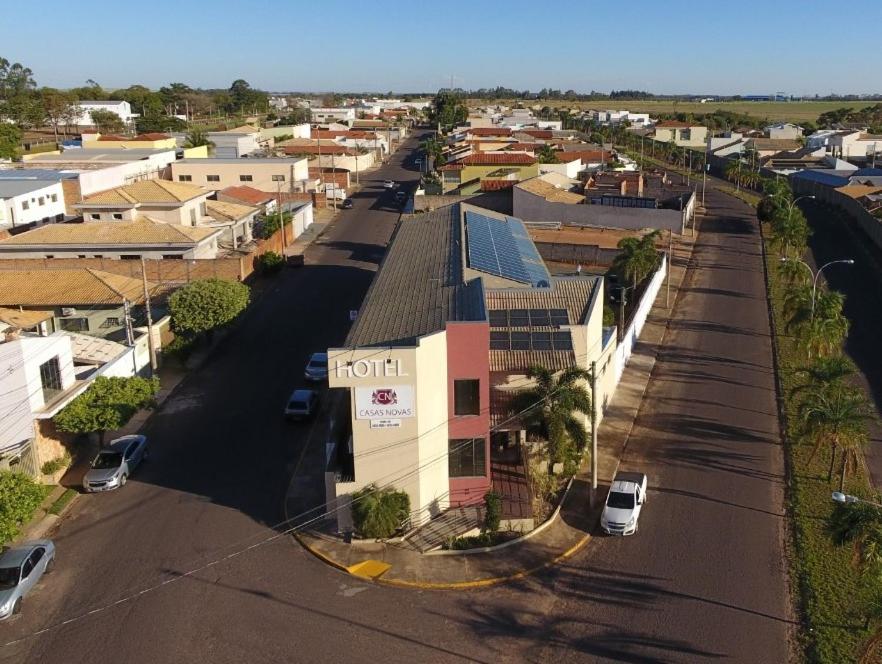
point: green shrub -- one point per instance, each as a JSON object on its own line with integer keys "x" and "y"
{"x": 19, "y": 497}
{"x": 271, "y": 262}
{"x": 492, "y": 512}
{"x": 206, "y": 304}
{"x": 472, "y": 542}
{"x": 62, "y": 501}
{"x": 378, "y": 513}
{"x": 56, "y": 464}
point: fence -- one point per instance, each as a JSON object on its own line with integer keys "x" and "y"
{"x": 638, "y": 319}
{"x": 581, "y": 254}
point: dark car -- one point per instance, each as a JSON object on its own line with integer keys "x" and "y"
{"x": 347, "y": 204}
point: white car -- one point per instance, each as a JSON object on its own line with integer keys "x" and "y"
{"x": 626, "y": 497}
{"x": 317, "y": 367}
{"x": 389, "y": 184}
{"x": 113, "y": 465}
{"x": 302, "y": 404}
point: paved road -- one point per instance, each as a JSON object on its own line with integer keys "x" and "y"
{"x": 703, "y": 579}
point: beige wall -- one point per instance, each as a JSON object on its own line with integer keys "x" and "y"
{"x": 413, "y": 456}
{"x": 293, "y": 171}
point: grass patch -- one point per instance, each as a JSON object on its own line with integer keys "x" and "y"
{"x": 62, "y": 501}
{"x": 479, "y": 541}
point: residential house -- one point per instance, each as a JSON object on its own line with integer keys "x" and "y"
{"x": 144, "y": 238}
{"x": 264, "y": 201}
{"x": 151, "y": 141}
{"x": 239, "y": 142}
{"x": 486, "y": 171}
{"x": 784, "y": 130}
{"x": 766, "y": 147}
{"x": 111, "y": 168}
{"x": 303, "y": 130}
{"x": 448, "y": 315}
{"x": 683, "y": 134}
{"x": 266, "y": 174}
{"x": 341, "y": 114}
{"x": 26, "y": 201}
{"x": 121, "y": 108}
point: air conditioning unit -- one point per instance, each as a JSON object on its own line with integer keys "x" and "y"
{"x": 68, "y": 311}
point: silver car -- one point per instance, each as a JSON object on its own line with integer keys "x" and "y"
{"x": 21, "y": 568}
{"x": 317, "y": 367}
{"x": 113, "y": 465}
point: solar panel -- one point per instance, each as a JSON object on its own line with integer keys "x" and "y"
{"x": 503, "y": 247}
{"x": 498, "y": 318}
{"x": 559, "y": 317}
{"x": 562, "y": 341}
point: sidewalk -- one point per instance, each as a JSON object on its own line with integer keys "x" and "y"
{"x": 556, "y": 540}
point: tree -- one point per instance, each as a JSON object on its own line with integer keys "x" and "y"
{"x": 243, "y": 97}
{"x": 106, "y": 121}
{"x": 821, "y": 329}
{"x": 858, "y": 524}
{"x": 204, "y": 305}
{"x": 835, "y": 417}
{"x": 159, "y": 123}
{"x": 108, "y": 404}
{"x": 637, "y": 257}
{"x": 19, "y": 497}
{"x": 10, "y": 141}
{"x": 377, "y": 513}
{"x": 19, "y": 102}
{"x": 197, "y": 137}
{"x": 733, "y": 172}
{"x": 546, "y": 155}
{"x": 790, "y": 231}
{"x": 825, "y": 372}
{"x": 550, "y": 409}
{"x": 448, "y": 109}
{"x": 57, "y": 106}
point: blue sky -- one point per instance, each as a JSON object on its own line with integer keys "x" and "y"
{"x": 672, "y": 46}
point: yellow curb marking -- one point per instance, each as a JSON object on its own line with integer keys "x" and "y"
{"x": 369, "y": 569}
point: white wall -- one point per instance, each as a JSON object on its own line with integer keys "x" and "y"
{"x": 626, "y": 345}
{"x": 15, "y": 212}
{"x": 570, "y": 168}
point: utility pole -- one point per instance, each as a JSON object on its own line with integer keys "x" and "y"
{"x": 150, "y": 345}
{"x": 334, "y": 176}
{"x": 127, "y": 313}
{"x": 279, "y": 212}
{"x": 593, "y": 430}
{"x": 668, "y": 279}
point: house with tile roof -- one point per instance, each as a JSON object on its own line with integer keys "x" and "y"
{"x": 266, "y": 173}
{"x": 461, "y": 306}
{"x": 151, "y": 141}
{"x": 239, "y": 142}
{"x": 26, "y": 201}
{"x": 684, "y": 134}
{"x": 483, "y": 171}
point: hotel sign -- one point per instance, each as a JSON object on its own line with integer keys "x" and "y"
{"x": 389, "y": 402}
{"x": 382, "y": 368}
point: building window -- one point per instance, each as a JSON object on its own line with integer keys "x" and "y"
{"x": 172, "y": 256}
{"x": 95, "y": 216}
{"x": 117, "y": 215}
{"x": 466, "y": 397}
{"x": 686, "y": 135}
{"x": 50, "y": 379}
{"x": 74, "y": 324}
{"x": 110, "y": 321}
{"x": 185, "y": 178}
{"x": 54, "y": 198}
{"x": 41, "y": 201}
{"x": 25, "y": 205}
{"x": 278, "y": 178}
{"x": 466, "y": 457}
{"x": 245, "y": 178}
{"x": 213, "y": 178}
{"x": 192, "y": 216}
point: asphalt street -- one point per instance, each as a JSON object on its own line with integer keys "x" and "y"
{"x": 185, "y": 565}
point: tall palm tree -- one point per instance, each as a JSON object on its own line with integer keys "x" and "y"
{"x": 873, "y": 646}
{"x": 858, "y": 524}
{"x": 733, "y": 172}
{"x": 637, "y": 257}
{"x": 825, "y": 372}
{"x": 550, "y": 408}
{"x": 197, "y": 137}
{"x": 835, "y": 417}
{"x": 790, "y": 232}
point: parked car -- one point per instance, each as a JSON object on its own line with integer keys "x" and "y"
{"x": 347, "y": 204}
{"x": 626, "y": 497}
{"x": 389, "y": 184}
{"x": 400, "y": 197}
{"x": 317, "y": 367}
{"x": 303, "y": 403}
{"x": 113, "y": 465}
{"x": 21, "y": 568}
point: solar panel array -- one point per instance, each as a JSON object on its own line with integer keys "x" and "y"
{"x": 513, "y": 340}
{"x": 502, "y": 247}
{"x": 528, "y": 317}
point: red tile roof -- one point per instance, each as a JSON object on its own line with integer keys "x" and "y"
{"x": 248, "y": 195}
{"x": 326, "y": 149}
{"x": 495, "y": 158}
{"x": 489, "y": 131}
{"x": 530, "y": 147}
{"x": 152, "y": 136}
{"x": 113, "y": 137}
{"x": 496, "y": 185}
{"x": 537, "y": 133}
{"x": 587, "y": 156}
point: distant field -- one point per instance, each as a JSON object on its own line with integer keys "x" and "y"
{"x": 795, "y": 111}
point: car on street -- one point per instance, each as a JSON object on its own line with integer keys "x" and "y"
{"x": 316, "y": 367}
{"x": 627, "y": 495}
{"x": 400, "y": 197}
{"x": 114, "y": 464}
{"x": 21, "y": 568}
{"x": 389, "y": 184}
{"x": 347, "y": 204}
{"x": 301, "y": 404}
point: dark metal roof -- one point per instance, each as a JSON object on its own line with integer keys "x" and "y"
{"x": 419, "y": 287}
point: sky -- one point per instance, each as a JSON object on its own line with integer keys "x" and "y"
{"x": 798, "y": 47}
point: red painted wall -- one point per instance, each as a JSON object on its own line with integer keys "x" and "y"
{"x": 468, "y": 357}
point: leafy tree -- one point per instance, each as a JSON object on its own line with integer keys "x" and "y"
{"x": 492, "y": 512}
{"x": 19, "y": 497}
{"x": 332, "y": 100}
{"x": 58, "y": 107}
{"x": 858, "y": 524}
{"x": 270, "y": 224}
{"x": 10, "y": 141}
{"x": 197, "y": 137}
{"x": 142, "y": 99}
{"x": 204, "y": 305}
{"x": 271, "y": 262}
{"x": 108, "y": 404}
{"x": 550, "y": 409}
{"x": 825, "y": 372}
{"x": 790, "y": 231}
{"x": 297, "y": 115}
{"x": 820, "y": 331}
{"x": 19, "y": 102}
{"x": 547, "y": 155}
{"x": 734, "y": 171}
{"x": 377, "y": 513}
{"x": 159, "y": 123}
{"x": 448, "y": 109}
{"x": 835, "y": 417}
{"x": 173, "y": 95}
{"x": 106, "y": 121}
{"x": 637, "y": 257}
{"x": 243, "y": 97}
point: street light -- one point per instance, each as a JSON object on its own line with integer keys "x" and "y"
{"x": 846, "y": 499}
{"x": 815, "y": 275}
{"x": 794, "y": 201}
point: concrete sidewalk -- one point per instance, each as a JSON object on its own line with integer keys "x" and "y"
{"x": 560, "y": 538}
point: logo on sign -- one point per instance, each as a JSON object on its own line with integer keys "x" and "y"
{"x": 384, "y": 397}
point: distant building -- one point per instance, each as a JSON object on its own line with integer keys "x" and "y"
{"x": 784, "y": 130}
{"x": 26, "y": 201}
{"x": 121, "y": 108}
{"x": 683, "y": 134}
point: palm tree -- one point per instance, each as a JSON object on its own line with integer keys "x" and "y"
{"x": 793, "y": 273}
{"x": 858, "y": 524}
{"x": 870, "y": 652}
{"x": 550, "y": 408}
{"x": 637, "y": 257}
{"x": 197, "y": 137}
{"x": 820, "y": 331}
{"x": 836, "y": 417}
{"x": 825, "y": 372}
{"x": 733, "y": 172}
{"x": 790, "y": 230}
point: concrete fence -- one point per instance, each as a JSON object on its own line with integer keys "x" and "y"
{"x": 869, "y": 224}
{"x": 581, "y": 254}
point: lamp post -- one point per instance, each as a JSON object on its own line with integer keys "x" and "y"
{"x": 794, "y": 201}
{"x": 622, "y": 302}
{"x": 847, "y": 499}
{"x": 815, "y": 275}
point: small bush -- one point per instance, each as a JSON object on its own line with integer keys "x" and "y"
{"x": 378, "y": 513}
{"x": 54, "y": 465}
{"x": 492, "y": 512}
{"x": 19, "y": 497}
{"x": 271, "y": 262}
